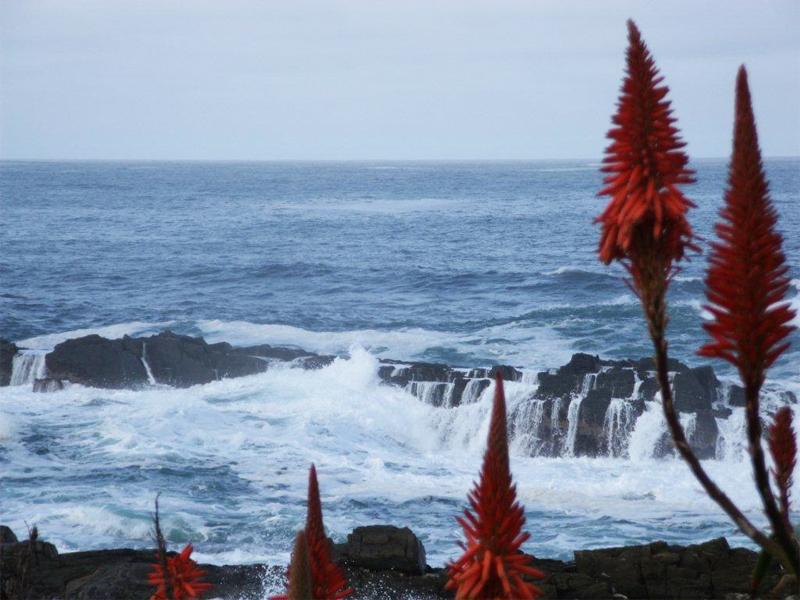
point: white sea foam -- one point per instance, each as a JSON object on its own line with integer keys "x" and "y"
{"x": 535, "y": 347}
{"x": 231, "y": 457}
{"x": 133, "y": 328}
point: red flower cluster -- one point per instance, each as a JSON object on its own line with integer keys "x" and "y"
{"x": 327, "y": 580}
{"x": 645, "y": 166}
{"x": 747, "y": 279}
{"x": 492, "y": 566}
{"x": 183, "y": 576}
{"x": 783, "y": 447}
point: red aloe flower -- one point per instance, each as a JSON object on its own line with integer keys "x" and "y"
{"x": 645, "y": 166}
{"x": 492, "y": 565}
{"x": 783, "y": 447}
{"x": 746, "y": 279}
{"x": 300, "y": 570}
{"x": 327, "y": 580}
{"x": 183, "y": 576}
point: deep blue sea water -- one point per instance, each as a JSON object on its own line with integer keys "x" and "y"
{"x": 466, "y": 263}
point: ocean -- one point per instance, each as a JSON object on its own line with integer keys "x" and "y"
{"x": 468, "y": 263}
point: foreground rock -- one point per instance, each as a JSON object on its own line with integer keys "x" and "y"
{"x": 383, "y": 562}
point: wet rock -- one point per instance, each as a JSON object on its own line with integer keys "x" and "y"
{"x": 47, "y": 384}
{"x": 7, "y": 536}
{"x": 183, "y": 361}
{"x": 659, "y": 570}
{"x": 555, "y": 385}
{"x": 98, "y": 362}
{"x": 648, "y": 389}
{"x": 695, "y": 389}
{"x": 509, "y": 373}
{"x": 736, "y": 395}
{"x": 620, "y": 382}
{"x": 580, "y": 364}
{"x": 590, "y": 439}
{"x": 702, "y": 433}
{"x": 176, "y": 360}
{"x": 393, "y": 568}
{"x": 7, "y": 352}
{"x": 704, "y": 436}
{"x": 384, "y": 548}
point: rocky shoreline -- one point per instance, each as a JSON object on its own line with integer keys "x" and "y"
{"x": 388, "y": 563}
{"x": 587, "y": 407}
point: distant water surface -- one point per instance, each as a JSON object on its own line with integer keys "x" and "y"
{"x": 466, "y": 263}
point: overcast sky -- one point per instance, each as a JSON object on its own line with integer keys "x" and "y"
{"x": 365, "y": 79}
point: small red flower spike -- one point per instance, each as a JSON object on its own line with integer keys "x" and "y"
{"x": 747, "y": 277}
{"x": 300, "y": 581}
{"x": 645, "y": 167}
{"x": 183, "y": 575}
{"x": 783, "y": 447}
{"x": 329, "y": 583}
{"x": 492, "y": 566}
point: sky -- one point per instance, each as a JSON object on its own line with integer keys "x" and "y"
{"x": 382, "y": 80}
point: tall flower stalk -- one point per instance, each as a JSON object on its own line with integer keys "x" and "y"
{"x": 492, "y": 566}
{"x": 327, "y": 581}
{"x": 746, "y": 284}
{"x": 175, "y": 577}
{"x": 644, "y": 226}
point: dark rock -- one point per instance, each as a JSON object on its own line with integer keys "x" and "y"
{"x": 695, "y": 389}
{"x": 590, "y": 439}
{"x": 384, "y": 548}
{"x": 7, "y": 536}
{"x": 7, "y": 352}
{"x": 658, "y": 570}
{"x": 580, "y": 364}
{"x": 48, "y": 384}
{"x": 704, "y": 437}
{"x": 183, "y": 361}
{"x": 789, "y": 397}
{"x": 555, "y": 385}
{"x": 653, "y": 571}
{"x": 620, "y": 382}
{"x": 173, "y": 359}
{"x": 98, "y": 362}
{"x": 508, "y": 373}
{"x": 648, "y": 389}
{"x": 736, "y": 395}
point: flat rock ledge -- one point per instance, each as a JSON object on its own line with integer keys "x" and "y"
{"x": 388, "y": 563}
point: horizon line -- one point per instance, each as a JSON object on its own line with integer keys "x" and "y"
{"x": 350, "y": 160}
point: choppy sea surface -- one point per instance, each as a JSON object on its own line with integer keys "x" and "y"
{"x": 465, "y": 263}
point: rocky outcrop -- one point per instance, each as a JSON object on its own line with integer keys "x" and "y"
{"x": 7, "y": 352}
{"x": 587, "y": 407}
{"x": 387, "y": 563}
{"x": 442, "y": 385}
{"x": 382, "y": 548}
{"x": 166, "y": 358}
{"x": 99, "y": 362}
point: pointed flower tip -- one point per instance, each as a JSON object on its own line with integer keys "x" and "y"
{"x": 645, "y": 168}
{"x": 746, "y": 282}
{"x": 783, "y": 447}
{"x": 491, "y": 565}
{"x": 633, "y": 30}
